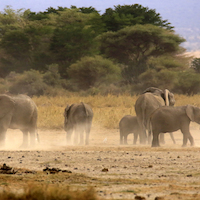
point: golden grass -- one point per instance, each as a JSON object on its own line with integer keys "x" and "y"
{"x": 48, "y": 193}
{"x": 108, "y": 110}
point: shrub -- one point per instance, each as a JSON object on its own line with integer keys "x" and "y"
{"x": 162, "y": 79}
{"x": 52, "y": 76}
{"x": 188, "y": 83}
{"x": 30, "y": 83}
{"x": 196, "y": 64}
{"x": 92, "y": 71}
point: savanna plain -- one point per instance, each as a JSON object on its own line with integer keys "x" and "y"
{"x": 103, "y": 169}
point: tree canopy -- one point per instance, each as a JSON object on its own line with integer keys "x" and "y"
{"x": 129, "y": 15}
{"x": 134, "y": 45}
{"x": 132, "y": 39}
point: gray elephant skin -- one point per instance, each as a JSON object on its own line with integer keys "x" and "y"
{"x": 128, "y": 124}
{"x": 150, "y": 100}
{"x": 170, "y": 119}
{"x": 78, "y": 119}
{"x": 18, "y": 112}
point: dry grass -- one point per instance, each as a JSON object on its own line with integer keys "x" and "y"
{"x": 34, "y": 192}
{"x": 108, "y": 110}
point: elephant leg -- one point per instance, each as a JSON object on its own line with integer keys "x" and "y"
{"x": 68, "y": 136}
{"x": 143, "y": 135}
{"x": 121, "y": 137}
{"x": 80, "y": 129}
{"x": 25, "y": 139}
{"x": 81, "y": 136}
{"x": 191, "y": 139}
{"x": 185, "y": 138}
{"x": 186, "y": 135}
{"x": 162, "y": 138}
{"x": 2, "y": 137}
{"x": 155, "y": 141}
{"x": 142, "y": 132}
{"x": 144, "y": 139}
{"x": 76, "y": 134}
{"x": 149, "y": 137}
{"x": 87, "y": 132}
{"x": 32, "y": 137}
{"x": 172, "y": 137}
{"x": 135, "y": 137}
{"x": 125, "y": 138}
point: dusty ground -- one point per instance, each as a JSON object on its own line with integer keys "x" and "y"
{"x": 170, "y": 171}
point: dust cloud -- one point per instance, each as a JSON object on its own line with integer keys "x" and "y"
{"x": 55, "y": 139}
{"x": 163, "y": 171}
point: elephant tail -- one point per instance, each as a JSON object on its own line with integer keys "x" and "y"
{"x": 149, "y": 128}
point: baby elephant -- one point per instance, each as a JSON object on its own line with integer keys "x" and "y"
{"x": 128, "y": 124}
{"x": 170, "y": 119}
{"x": 78, "y": 119}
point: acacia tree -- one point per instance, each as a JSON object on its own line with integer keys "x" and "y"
{"x": 73, "y": 38}
{"x": 134, "y": 45}
{"x": 129, "y": 15}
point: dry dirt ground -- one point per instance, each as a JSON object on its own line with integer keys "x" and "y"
{"x": 115, "y": 171}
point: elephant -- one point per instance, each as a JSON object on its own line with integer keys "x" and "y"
{"x": 170, "y": 119}
{"x": 128, "y": 124}
{"x": 78, "y": 119}
{"x": 151, "y": 99}
{"x": 18, "y": 112}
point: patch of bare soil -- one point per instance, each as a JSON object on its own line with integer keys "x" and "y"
{"x": 115, "y": 171}
{"x": 195, "y": 54}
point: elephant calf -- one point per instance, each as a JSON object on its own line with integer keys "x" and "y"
{"x": 128, "y": 124}
{"x": 170, "y": 119}
{"x": 78, "y": 119}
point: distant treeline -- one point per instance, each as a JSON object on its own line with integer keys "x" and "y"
{"x": 125, "y": 49}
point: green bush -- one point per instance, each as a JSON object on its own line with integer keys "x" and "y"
{"x": 93, "y": 71}
{"x": 52, "y": 77}
{"x": 30, "y": 83}
{"x": 162, "y": 79}
{"x": 188, "y": 83}
{"x": 196, "y": 64}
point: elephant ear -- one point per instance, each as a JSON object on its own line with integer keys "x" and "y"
{"x": 190, "y": 112}
{"x": 66, "y": 112}
{"x": 6, "y": 105}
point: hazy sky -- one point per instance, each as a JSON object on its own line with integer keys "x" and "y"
{"x": 172, "y": 10}
{"x": 181, "y": 14}
{"x": 41, "y": 5}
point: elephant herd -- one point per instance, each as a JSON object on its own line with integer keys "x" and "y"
{"x": 155, "y": 115}
{"x": 20, "y": 112}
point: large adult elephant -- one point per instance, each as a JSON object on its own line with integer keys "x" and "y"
{"x": 169, "y": 119}
{"x": 18, "y": 112}
{"x": 78, "y": 119}
{"x": 151, "y": 99}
